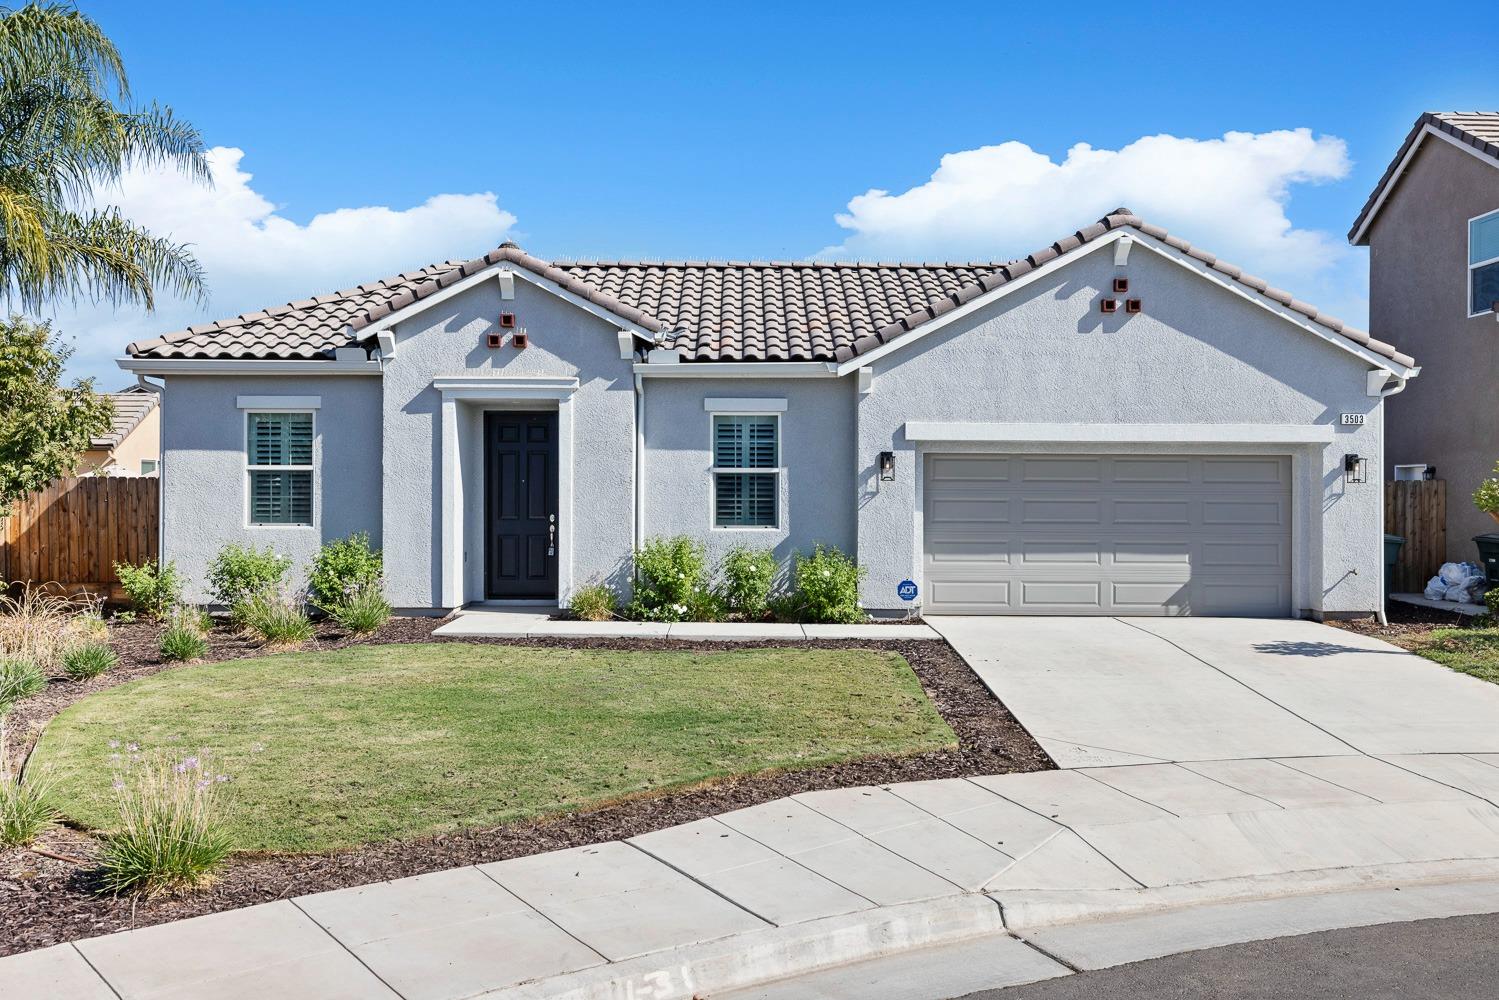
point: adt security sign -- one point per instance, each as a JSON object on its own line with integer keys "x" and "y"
{"x": 906, "y": 590}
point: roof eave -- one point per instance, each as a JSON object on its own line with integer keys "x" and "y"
{"x": 1429, "y": 124}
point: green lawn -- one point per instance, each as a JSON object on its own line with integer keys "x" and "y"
{"x": 1472, "y": 651}
{"x": 333, "y": 749}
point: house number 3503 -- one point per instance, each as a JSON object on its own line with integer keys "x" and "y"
{"x": 1352, "y": 420}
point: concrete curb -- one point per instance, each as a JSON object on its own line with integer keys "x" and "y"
{"x": 759, "y": 957}
{"x": 775, "y": 953}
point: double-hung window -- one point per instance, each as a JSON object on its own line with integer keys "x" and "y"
{"x": 1483, "y": 263}
{"x": 746, "y": 470}
{"x": 279, "y": 461}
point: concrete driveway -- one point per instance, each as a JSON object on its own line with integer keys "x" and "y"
{"x": 1108, "y": 691}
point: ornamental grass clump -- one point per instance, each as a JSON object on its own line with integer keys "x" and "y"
{"x": 41, "y": 627}
{"x": 363, "y": 612}
{"x": 277, "y": 620}
{"x": 184, "y": 639}
{"x": 171, "y": 836}
{"x": 88, "y": 660}
{"x": 596, "y": 602}
{"x": 25, "y": 810}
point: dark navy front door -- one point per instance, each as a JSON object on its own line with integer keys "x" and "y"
{"x": 520, "y": 499}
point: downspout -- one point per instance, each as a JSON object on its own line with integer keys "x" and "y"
{"x": 639, "y": 446}
{"x": 161, "y": 462}
{"x": 1381, "y": 387}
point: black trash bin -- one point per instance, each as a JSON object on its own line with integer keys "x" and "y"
{"x": 1392, "y": 545}
{"x": 1488, "y": 556}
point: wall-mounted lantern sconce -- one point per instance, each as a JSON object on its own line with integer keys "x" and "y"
{"x": 1355, "y": 469}
{"x": 887, "y": 466}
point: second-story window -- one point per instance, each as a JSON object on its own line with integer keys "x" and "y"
{"x": 1483, "y": 263}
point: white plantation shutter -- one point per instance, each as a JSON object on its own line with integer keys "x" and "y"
{"x": 745, "y": 499}
{"x": 280, "y": 463}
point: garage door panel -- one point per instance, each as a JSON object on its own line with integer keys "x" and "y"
{"x": 1157, "y": 511}
{"x": 1242, "y": 470}
{"x": 1108, "y": 534}
{"x": 1152, "y": 470}
{"x": 1268, "y": 513}
{"x": 1062, "y": 470}
{"x": 1081, "y": 595}
{"x": 1071, "y": 552}
{"x": 1035, "y": 510}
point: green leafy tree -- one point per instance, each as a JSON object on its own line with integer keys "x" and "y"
{"x": 44, "y": 425}
{"x": 66, "y": 128}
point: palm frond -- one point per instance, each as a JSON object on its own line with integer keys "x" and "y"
{"x": 105, "y": 256}
{"x": 42, "y": 38}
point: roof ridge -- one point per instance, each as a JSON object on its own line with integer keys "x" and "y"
{"x": 742, "y": 264}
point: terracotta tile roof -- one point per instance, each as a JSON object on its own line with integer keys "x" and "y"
{"x": 707, "y": 310}
{"x": 1477, "y": 129}
{"x": 130, "y": 408}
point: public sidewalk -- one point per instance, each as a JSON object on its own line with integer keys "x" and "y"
{"x": 833, "y": 877}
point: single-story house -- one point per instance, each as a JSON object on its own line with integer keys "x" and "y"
{"x": 1117, "y": 424}
{"x": 132, "y": 445}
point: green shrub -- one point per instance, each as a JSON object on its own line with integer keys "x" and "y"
{"x": 748, "y": 575}
{"x": 1486, "y": 497}
{"x": 343, "y": 567}
{"x": 595, "y": 603}
{"x": 171, "y": 837}
{"x": 88, "y": 661}
{"x": 362, "y": 613}
{"x": 19, "y": 678}
{"x": 25, "y": 810}
{"x": 152, "y": 589}
{"x": 1491, "y": 598}
{"x": 183, "y": 640}
{"x": 671, "y": 581}
{"x": 239, "y": 572}
{"x": 276, "y": 619}
{"x": 827, "y": 586}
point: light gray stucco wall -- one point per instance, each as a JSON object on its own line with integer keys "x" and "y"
{"x": 1418, "y": 298}
{"x": 204, "y": 481}
{"x": 1198, "y": 354}
{"x": 448, "y": 339}
{"x": 817, "y": 502}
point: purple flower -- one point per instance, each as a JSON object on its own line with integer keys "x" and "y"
{"x": 118, "y": 785}
{"x": 133, "y": 747}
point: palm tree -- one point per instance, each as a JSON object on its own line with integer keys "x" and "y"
{"x": 65, "y": 131}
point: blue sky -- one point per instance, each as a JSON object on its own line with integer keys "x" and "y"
{"x": 742, "y": 131}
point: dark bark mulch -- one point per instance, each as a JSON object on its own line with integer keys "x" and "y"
{"x": 47, "y": 901}
{"x": 1407, "y": 623}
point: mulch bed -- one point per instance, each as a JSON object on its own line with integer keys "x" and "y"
{"x": 1407, "y": 623}
{"x": 48, "y": 901}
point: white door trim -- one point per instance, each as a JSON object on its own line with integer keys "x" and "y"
{"x": 464, "y": 399}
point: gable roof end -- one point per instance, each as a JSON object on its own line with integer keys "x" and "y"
{"x": 1477, "y": 130}
{"x": 1119, "y": 218}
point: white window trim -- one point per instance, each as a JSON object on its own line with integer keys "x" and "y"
{"x": 245, "y": 415}
{"x": 714, "y": 470}
{"x": 1468, "y": 284}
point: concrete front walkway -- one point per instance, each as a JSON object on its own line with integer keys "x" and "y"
{"x": 1139, "y": 690}
{"x": 538, "y": 623}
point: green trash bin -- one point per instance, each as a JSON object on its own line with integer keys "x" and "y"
{"x": 1392, "y": 545}
{"x": 1488, "y": 556}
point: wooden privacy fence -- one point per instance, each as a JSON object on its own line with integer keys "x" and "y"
{"x": 1416, "y": 510}
{"x": 71, "y": 533}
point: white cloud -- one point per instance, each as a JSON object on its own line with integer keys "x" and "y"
{"x": 1228, "y": 195}
{"x": 255, "y": 257}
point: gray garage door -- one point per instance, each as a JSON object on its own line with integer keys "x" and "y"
{"x": 1095, "y": 534}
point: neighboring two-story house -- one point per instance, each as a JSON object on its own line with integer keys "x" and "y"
{"x": 1432, "y": 229}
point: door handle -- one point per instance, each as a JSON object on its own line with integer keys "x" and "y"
{"x": 552, "y": 535}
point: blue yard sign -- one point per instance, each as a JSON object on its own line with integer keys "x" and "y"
{"x": 906, "y": 590}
